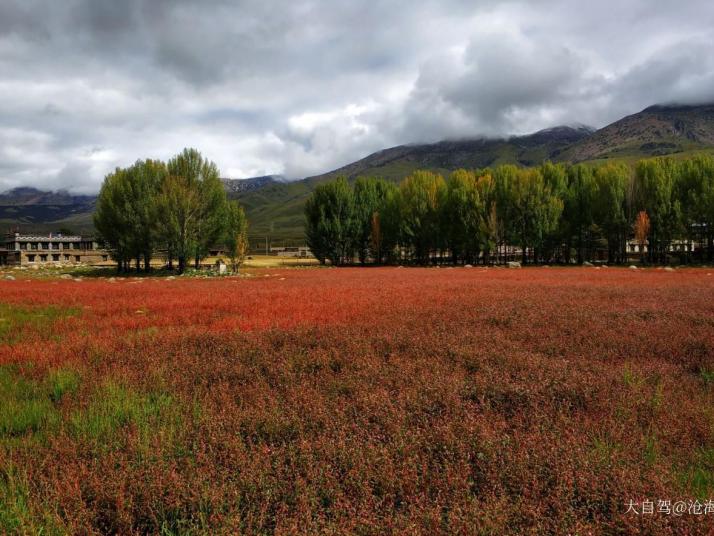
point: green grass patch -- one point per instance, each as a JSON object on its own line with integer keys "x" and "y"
{"x": 707, "y": 376}
{"x": 18, "y": 514}
{"x": 29, "y": 406}
{"x": 61, "y": 382}
{"x": 16, "y": 321}
{"x": 698, "y": 478}
{"x": 116, "y": 408}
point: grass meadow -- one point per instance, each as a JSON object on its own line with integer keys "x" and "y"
{"x": 359, "y": 401}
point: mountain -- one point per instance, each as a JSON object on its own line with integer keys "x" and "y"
{"x": 32, "y": 196}
{"x": 274, "y": 205}
{"x": 445, "y": 156}
{"x": 41, "y": 211}
{"x": 239, "y": 186}
{"x": 655, "y": 131}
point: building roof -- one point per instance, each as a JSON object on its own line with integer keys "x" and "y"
{"x": 32, "y": 238}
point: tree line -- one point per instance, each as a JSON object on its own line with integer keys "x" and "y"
{"x": 550, "y": 213}
{"x": 177, "y": 207}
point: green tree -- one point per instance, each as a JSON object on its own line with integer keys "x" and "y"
{"x": 236, "y": 234}
{"x": 505, "y": 178}
{"x": 422, "y": 195}
{"x": 578, "y": 204}
{"x": 463, "y": 213}
{"x": 179, "y": 209}
{"x": 390, "y": 226}
{"x": 655, "y": 194}
{"x": 535, "y": 210}
{"x": 369, "y": 200}
{"x": 201, "y": 215}
{"x": 110, "y": 218}
{"x": 489, "y": 225}
{"x": 610, "y": 208}
{"x": 557, "y": 244}
{"x": 694, "y": 189}
{"x": 143, "y": 183}
{"x": 330, "y": 222}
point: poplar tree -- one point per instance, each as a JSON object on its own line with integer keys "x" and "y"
{"x": 330, "y": 222}
{"x": 422, "y": 195}
{"x": 236, "y": 234}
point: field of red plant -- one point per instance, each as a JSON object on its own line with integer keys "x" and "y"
{"x": 362, "y": 401}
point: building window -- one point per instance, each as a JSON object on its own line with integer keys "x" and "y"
{"x": 66, "y": 257}
{"x": 30, "y": 258}
{"x": 76, "y": 258}
{"x": 105, "y": 258}
{"x": 55, "y": 245}
{"x": 55, "y": 257}
{"x": 23, "y": 245}
{"x": 43, "y": 258}
{"x": 33, "y": 245}
{"x": 45, "y": 245}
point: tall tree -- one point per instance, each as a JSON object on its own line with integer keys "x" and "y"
{"x": 330, "y": 222}
{"x": 369, "y": 200}
{"x": 463, "y": 214}
{"x": 110, "y": 218}
{"x": 505, "y": 178}
{"x": 236, "y": 234}
{"x": 654, "y": 191}
{"x": 535, "y": 210}
{"x": 422, "y": 194}
{"x": 489, "y": 225}
{"x": 143, "y": 183}
{"x": 179, "y": 208}
{"x": 578, "y": 203}
{"x": 610, "y": 210}
{"x": 694, "y": 189}
{"x": 201, "y": 216}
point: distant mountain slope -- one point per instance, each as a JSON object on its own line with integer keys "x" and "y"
{"x": 33, "y": 196}
{"x": 529, "y": 150}
{"x": 237, "y": 186}
{"x": 655, "y": 131}
{"x": 37, "y": 210}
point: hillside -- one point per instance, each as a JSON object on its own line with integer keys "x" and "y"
{"x": 529, "y": 150}
{"x": 239, "y": 186}
{"x": 274, "y": 205}
{"x": 41, "y": 211}
{"x": 655, "y": 131}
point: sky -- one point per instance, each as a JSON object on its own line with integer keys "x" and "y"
{"x": 301, "y": 87}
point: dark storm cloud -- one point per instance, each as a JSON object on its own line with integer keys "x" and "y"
{"x": 304, "y": 86}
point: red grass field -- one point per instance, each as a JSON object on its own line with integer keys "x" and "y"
{"x": 362, "y": 401}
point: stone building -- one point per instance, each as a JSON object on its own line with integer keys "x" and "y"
{"x": 24, "y": 250}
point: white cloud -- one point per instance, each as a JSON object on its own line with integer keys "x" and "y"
{"x": 303, "y": 87}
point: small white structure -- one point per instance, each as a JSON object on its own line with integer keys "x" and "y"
{"x": 221, "y": 266}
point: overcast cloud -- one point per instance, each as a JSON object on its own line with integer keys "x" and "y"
{"x": 301, "y": 87}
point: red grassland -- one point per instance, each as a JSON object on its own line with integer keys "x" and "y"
{"x": 363, "y": 401}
